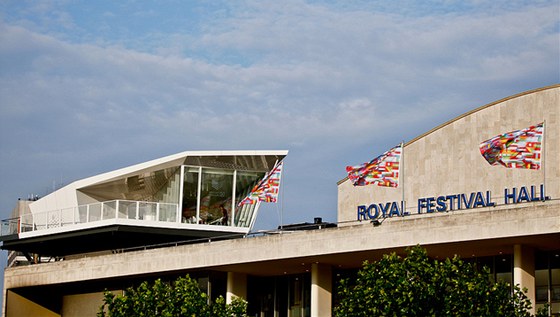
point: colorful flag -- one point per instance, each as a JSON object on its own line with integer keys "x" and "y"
{"x": 515, "y": 149}
{"x": 267, "y": 189}
{"x": 382, "y": 170}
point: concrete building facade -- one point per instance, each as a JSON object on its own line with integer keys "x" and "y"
{"x": 449, "y": 200}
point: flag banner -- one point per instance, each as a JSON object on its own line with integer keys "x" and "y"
{"x": 515, "y": 149}
{"x": 267, "y": 189}
{"x": 382, "y": 170}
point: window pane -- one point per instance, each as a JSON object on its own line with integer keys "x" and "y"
{"x": 190, "y": 189}
{"x": 541, "y": 284}
{"x": 555, "y": 275}
{"x": 244, "y": 184}
{"x": 216, "y": 196}
{"x": 169, "y": 192}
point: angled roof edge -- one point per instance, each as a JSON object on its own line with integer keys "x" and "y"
{"x": 528, "y": 92}
{"x": 165, "y": 161}
{"x": 174, "y": 158}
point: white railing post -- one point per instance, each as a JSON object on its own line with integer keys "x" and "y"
{"x": 181, "y": 188}
{"x": 137, "y": 210}
{"x": 87, "y": 213}
{"x": 117, "y": 209}
{"x": 101, "y": 216}
{"x": 198, "y": 193}
{"x": 157, "y": 211}
{"x": 233, "y": 190}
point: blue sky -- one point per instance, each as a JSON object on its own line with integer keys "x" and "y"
{"x": 91, "y": 86}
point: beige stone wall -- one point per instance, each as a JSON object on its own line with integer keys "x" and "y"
{"x": 18, "y": 306}
{"x": 80, "y": 305}
{"x": 447, "y": 160}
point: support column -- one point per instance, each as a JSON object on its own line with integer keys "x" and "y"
{"x": 321, "y": 290}
{"x": 236, "y": 286}
{"x": 524, "y": 270}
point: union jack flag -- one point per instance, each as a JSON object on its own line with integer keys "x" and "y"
{"x": 515, "y": 149}
{"x": 267, "y": 189}
{"x": 382, "y": 170}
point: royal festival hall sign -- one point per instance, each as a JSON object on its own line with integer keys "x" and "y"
{"x": 453, "y": 202}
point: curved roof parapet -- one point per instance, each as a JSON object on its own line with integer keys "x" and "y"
{"x": 529, "y": 92}
{"x": 185, "y": 196}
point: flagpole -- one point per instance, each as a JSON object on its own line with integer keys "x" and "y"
{"x": 282, "y": 199}
{"x": 543, "y": 165}
{"x": 401, "y": 179}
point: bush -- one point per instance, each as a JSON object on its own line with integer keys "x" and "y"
{"x": 418, "y": 286}
{"x": 181, "y": 297}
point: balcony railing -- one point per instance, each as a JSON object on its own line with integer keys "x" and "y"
{"x": 114, "y": 209}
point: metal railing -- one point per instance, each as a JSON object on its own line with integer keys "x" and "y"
{"x": 114, "y": 209}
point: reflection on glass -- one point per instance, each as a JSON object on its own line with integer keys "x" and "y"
{"x": 541, "y": 284}
{"x": 504, "y": 268}
{"x": 555, "y": 279}
{"x": 216, "y": 196}
{"x": 212, "y": 203}
{"x": 169, "y": 186}
{"x": 245, "y": 182}
{"x": 190, "y": 190}
{"x": 300, "y": 297}
{"x": 547, "y": 280}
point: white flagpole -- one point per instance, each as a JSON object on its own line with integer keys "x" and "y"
{"x": 543, "y": 166}
{"x": 281, "y": 194}
{"x": 401, "y": 178}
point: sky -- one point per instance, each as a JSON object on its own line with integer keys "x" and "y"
{"x": 87, "y": 87}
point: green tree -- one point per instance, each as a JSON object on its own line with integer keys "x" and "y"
{"x": 181, "y": 297}
{"x": 418, "y": 286}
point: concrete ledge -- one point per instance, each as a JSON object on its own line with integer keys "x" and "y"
{"x": 533, "y": 223}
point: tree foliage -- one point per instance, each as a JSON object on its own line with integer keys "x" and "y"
{"x": 417, "y": 286}
{"x": 181, "y": 297}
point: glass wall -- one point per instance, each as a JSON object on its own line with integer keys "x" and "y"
{"x": 547, "y": 276}
{"x": 300, "y": 296}
{"x": 244, "y": 183}
{"x": 211, "y": 196}
{"x": 267, "y": 296}
{"x": 501, "y": 266}
{"x": 216, "y": 196}
{"x": 154, "y": 186}
{"x": 169, "y": 190}
{"x": 280, "y": 296}
{"x": 547, "y": 280}
{"x": 190, "y": 195}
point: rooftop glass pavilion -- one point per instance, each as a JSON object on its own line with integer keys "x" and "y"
{"x": 181, "y": 197}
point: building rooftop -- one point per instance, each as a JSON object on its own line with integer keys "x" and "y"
{"x": 186, "y": 196}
